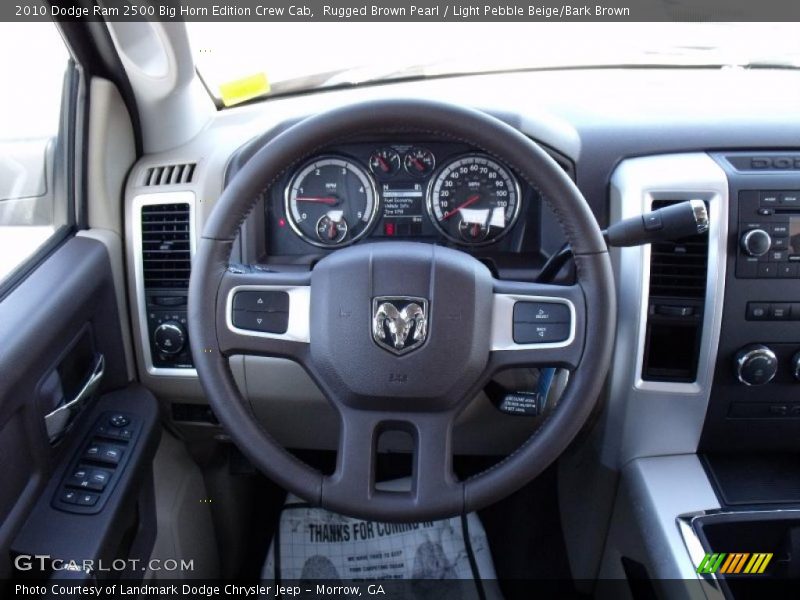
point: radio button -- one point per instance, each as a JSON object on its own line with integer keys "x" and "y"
{"x": 778, "y": 256}
{"x": 767, "y": 270}
{"x": 789, "y": 270}
{"x": 780, "y": 244}
{"x": 768, "y": 198}
{"x": 789, "y": 198}
{"x": 779, "y": 230}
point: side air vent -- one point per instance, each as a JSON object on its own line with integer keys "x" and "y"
{"x": 678, "y": 280}
{"x": 166, "y": 247}
{"x": 169, "y": 174}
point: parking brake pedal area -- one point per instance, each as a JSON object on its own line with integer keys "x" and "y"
{"x": 94, "y": 471}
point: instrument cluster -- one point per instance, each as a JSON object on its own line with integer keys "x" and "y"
{"x": 399, "y": 190}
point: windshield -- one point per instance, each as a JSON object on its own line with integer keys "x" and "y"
{"x": 241, "y": 61}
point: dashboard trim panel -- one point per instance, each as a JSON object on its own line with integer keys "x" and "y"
{"x": 140, "y": 201}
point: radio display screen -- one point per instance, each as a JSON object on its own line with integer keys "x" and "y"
{"x": 794, "y": 236}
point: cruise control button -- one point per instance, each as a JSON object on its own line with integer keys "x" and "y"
{"x": 540, "y": 312}
{"x": 535, "y": 333}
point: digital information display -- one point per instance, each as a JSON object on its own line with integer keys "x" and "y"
{"x": 402, "y": 200}
{"x": 402, "y": 209}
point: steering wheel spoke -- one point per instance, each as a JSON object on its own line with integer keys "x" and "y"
{"x": 433, "y": 485}
{"x": 263, "y": 312}
{"x": 537, "y": 324}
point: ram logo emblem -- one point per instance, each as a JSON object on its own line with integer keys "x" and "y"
{"x": 399, "y": 324}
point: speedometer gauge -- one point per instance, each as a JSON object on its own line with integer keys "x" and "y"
{"x": 474, "y": 200}
{"x": 331, "y": 202}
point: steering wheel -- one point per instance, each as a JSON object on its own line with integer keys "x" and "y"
{"x": 461, "y": 326}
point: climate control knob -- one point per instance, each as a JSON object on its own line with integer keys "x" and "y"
{"x": 756, "y": 365}
{"x": 169, "y": 338}
{"x": 756, "y": 242}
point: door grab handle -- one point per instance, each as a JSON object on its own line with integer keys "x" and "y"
{"x": 57, "y": 421}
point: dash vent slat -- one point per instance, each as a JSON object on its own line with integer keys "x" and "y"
{"x": 175, "y": 174}
{"x": 166, "y": 247}
{"x": 679, "y": 269}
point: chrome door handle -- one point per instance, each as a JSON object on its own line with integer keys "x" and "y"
{"x": 57, "y": 421}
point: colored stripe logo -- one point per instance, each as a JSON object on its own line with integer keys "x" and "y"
{"x": 735, "y": 563}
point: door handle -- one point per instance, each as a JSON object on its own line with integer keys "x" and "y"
{"x": 57, "y": 421}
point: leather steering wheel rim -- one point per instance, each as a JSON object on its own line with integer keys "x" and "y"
{"x": 592, "y": 298}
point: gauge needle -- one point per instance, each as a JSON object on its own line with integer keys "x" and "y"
{"x": 318, "y": 199}
{"x": 383, "y": 163}
{"x": 418, "y": 163}
{"x": 469, "y": 202}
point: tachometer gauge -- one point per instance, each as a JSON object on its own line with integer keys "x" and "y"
{"x": 331, "y": 201}
{"x": 474, "y": 200}
{"x": 419, "y": 161}
{"x": 385, "y": 161}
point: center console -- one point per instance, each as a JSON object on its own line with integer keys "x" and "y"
{"x": 754, "y": 403}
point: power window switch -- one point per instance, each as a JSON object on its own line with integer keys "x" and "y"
{"x": 98, "y": 479}
{"x": 79, "y": 478}
{"x": 110, "y": 454}
{"x": 69, "y": 497}
{"x": 87, "y": 499}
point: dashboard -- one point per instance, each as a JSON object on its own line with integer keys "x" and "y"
{"x": 626, "y": 156}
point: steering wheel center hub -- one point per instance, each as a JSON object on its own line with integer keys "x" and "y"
{"x": 400, "y": 324}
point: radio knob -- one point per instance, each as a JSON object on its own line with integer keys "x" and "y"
{"x": 756, "y": 242}
{"x": 169, "y": 338}
{"x": 756, "y": 365}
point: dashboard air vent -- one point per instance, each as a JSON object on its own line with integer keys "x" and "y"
{"x": 675, "y": 311}
{"x": 169, "y": 174}
{"x": 166, "y": 248}
{"x": 679, "y": 269}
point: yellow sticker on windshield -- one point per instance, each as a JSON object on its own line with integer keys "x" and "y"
{"x": 241, "y": 90}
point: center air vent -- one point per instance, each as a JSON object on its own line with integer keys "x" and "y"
{"x": 678, "y": 279}
{"x": 679, "y": 269}
{"x": 166, "y": 247}
{"x": 169, "y": 174}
